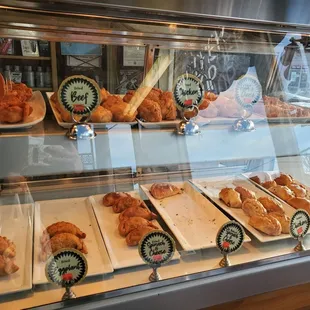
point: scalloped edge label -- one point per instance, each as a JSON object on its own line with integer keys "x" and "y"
{"x": 299, "y": 224}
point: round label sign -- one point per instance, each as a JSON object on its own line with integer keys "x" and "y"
{"x": 66, "y": 267}
{"x": 79, "y": 94}
{"x": 300, "y": 223}
{"x": 188, "y": 92}
{"x": 248, "y": 92}
{"x": 156, "y": 248}
{"x": 230, "y": 237}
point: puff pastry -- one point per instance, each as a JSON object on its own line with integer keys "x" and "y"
{"x": 284, "y": 221}
{"x": 134, "y": 237}
{"x": 230, "y": 197}
{"x": 164, "y": 190}
{"x": 283, "y": 179}
{"x": 282, "y": 192}
{"x": 271, "y": 205}
{"x": 245, "y": 193}
{"x": 111, "y": 199}
{"x": 266, "y": 224}
{"x": 139, "y": 212}
{"x": 7, "y": 247}
{"x": 269, "y": 184}
{"x": 131, "y": 223}
{"x": 125, "y": 203}
{"x": 253, "y": 207}
{"x": 298, "y": 190}
{"x": 300, "y": 203}
{"x": 7, "y": 266}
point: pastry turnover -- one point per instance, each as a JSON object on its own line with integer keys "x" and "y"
{"x": 131, "y": 223}
{"x": 164, "y": 190}
{"x": 284, "y": 221}
{"x": 266, "y": 224}
{"x": 271, "y": 205}
{"x": 7, "y": 247}
{"x": 245, "y": 193}
{"x": 284, "y": 179}
{"x": 253, "y": 207}
{"x": 298, "y": 190}
{"x": 269, "y": 184}
{"x": 125, "y": 203}
{"x": 111, "y": 199}
{"x": 150, "y": 111}
{"x": 138, "y": 212}
{"x": 300, "y": 203}
{"x": 282, "y": 192}
{"x": 136, "y": 235}
{"x": 7, "y": 266}
{"x": 230, "y": 197}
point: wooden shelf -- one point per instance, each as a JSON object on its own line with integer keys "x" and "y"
{"x": 42, "y": 89}
{"x": 24, "y": 57}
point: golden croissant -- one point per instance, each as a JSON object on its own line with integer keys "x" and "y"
{"x": 7, "y": 247}
{"x": 163, "y": 190}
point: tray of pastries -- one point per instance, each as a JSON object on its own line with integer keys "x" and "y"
{"x": 261, "y": 214}
{"x": 20, "y": 107}
{"x": 16, "y": 248}
{"x": 191, "y": 217}
{"x": 124, "y": 219}
{"x": 68, "y": 223}
{"x": 284, "y": 187}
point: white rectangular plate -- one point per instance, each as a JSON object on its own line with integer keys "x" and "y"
{"x": 63, "y": 124}
{"x": 77, "y": 211}
{"x": 192, "y": 218}
{"x": 39, "y": 109}
{"x": 17, "y": 225}
{"x": 212, "y": 186}
{"x": 121, "y": 255}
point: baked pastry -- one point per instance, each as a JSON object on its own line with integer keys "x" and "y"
{"x": 271, "y": 205}
{"x": 266, "y": 224}
{"x": 164, "y": 190}
{"x": 7, "y": 266}
{"x": 150, "y": 111}
{"x": 104, "y": 94}
{"x": 131, "y": 223}
{"x": 269, "y": 184}
{"x": 210, "y": 112}
{"x": 112, "y": 198}
{"x": 300, "y": 203}
{"x": 284, "y": 221}
{"x": 255, "y": 179}
{"x": 59, "y": 228}
{"x": 253, "y": 207}
{"x": 282, "y": 192}
{"x": 230, "y": 197}
{"x": 245, "y": 193}
{"x": 167, "y": 106}
{"x": 298, "y": 190}
{"x": 134, "y": 237}
{"x": 61, "y": 241}
{"x": 101, "y": 115}
{"x": 126, "y": 202}
{"x": 128, "y": 96}
{"x": 7, "y": 247}
{"x": 283, "y": 179}
{"x": 154, "y": 94}
{"x": 139, "y": 212}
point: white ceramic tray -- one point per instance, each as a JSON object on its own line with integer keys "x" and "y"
{"x": 192, "y": 218}
{"x": 39, "y": 110}
{"x": 121, "y": 255}
{"x": 17, "y": 225}
{"x": 77, "y": 211}
{"x": 212, "y": 186}
{"x": 66, "y": 125}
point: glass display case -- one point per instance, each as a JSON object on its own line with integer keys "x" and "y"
{"x": 198, "y": 118}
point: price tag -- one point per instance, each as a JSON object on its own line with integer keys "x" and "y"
{"x": 229, "y": 239}
{"x": 188, "y": 92}
{"x": 66, "y": 268}
{"x": 79, "y": 94}
{"x": 156, "y": 248}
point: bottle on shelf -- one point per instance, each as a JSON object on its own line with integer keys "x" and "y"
{"x": 16, "y": 75}
{"x": 29, "y": 76}
{"x": 39, "y": 77}
{"x": 48, "y": 78}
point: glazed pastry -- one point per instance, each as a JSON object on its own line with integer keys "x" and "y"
{"x": 7, "y": 266}
{"x": 269, "y": 184}
{"x": 284, "y": 179}
{"x": 255, "y": 179}
{"x": 61, "y": 241}
{"x": 271, "y": 205}
{"x": 164, "y": 190}
{"x": 230, "y": 197}
{"x": 298, "y": 190}
{"x": 253, "y": 207}
{"x": 245, "y": 193}
{"x": 126, "y": 202}
{"x": 282, "y": 192}
{"x": 59, "y": 228}
{"x": 150, "y": 111}
{"x": 300, "y": 203}
{"x": 139, "y": 212}
{"x": 266, "y": 224}
{"x": 134, "y": 237}
{"x": 284, "y": 221}
{"x": 131, "y": 223}
{"x": 7, "y": 247}
{"x": 112, "y": 199}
